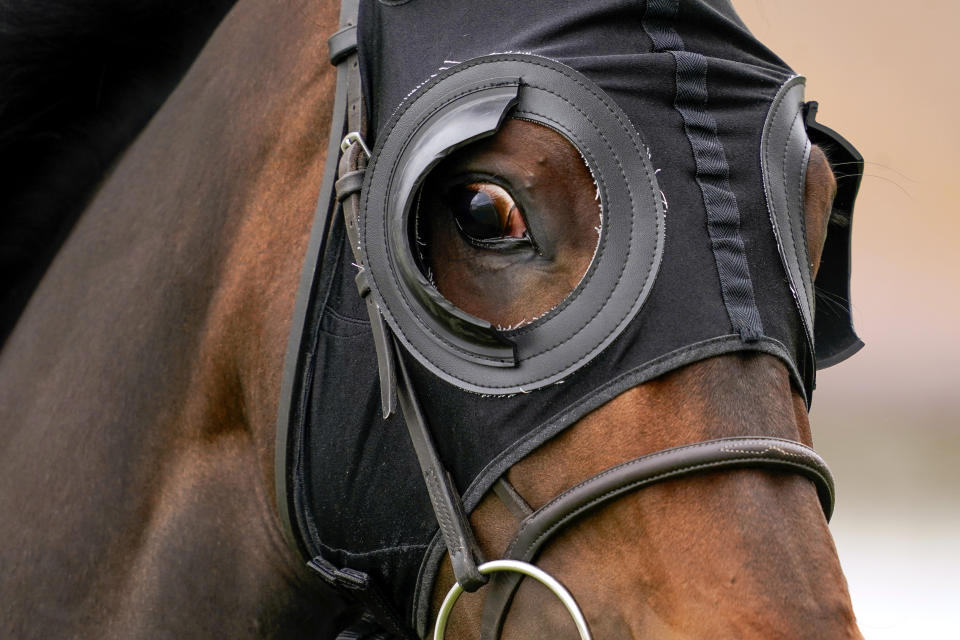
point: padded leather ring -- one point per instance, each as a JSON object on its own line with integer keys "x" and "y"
{"x": 461, "y": 105}
{"x": 784, "y": 153}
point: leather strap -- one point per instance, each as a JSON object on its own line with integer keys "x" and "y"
{"x": 342, "y": 43}
{"x": 511, "y": 499}
{"x": 348, "y": 114}
{"x": 711, "y": 455}
{"x": 352, "y": 169}
{"x": 454, "y": 526}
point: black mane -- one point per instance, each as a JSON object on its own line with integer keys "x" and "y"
{"x": 78, "y": 80}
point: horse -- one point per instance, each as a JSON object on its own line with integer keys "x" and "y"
{"x": 140, "y": 386}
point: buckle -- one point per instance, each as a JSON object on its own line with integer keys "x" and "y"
{"x": 352, "y": 137}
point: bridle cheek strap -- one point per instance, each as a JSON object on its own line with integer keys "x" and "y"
{"x": 396, "y": 389}
{"x": 711, "y": 455}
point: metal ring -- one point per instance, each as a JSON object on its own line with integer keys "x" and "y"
{"x": 526, "y": 569}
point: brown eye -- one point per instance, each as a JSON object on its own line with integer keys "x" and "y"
{"x": 485, "y": 211}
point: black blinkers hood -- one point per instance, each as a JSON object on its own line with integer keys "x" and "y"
{"x": 466, "y": 103}
{"x": 698, "y": 138}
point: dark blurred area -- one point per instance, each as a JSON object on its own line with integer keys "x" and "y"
{"x": 78, "y": 80}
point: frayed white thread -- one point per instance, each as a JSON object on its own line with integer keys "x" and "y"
{"x": 511, "y": 327}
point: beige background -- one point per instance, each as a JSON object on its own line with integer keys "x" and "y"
{"x": 888, "y": 420}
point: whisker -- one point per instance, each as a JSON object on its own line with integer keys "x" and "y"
{"x": 879, "y": 177}
{"x": 831, "y": 302}
{"x": 878, "y": 164}
{"x": 843, "y": 176}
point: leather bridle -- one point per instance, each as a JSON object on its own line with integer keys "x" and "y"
{"x": 343, "y": 178}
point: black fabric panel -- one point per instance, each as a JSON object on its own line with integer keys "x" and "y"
{"x": 723, "y": 215}
{"x": 359, "y": 467}
{"x": 713, "y": 29}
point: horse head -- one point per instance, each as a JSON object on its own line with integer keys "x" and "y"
{"x": 582, "y": 249}
{"x": 586, "y": 269}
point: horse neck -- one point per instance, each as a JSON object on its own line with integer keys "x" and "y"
{"x": 743, "y": 554}
{"x": 197, "y": 236}
{"x": 145, "y": 371}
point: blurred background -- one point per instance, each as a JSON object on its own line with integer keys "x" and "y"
{"x": 888, "y": 420}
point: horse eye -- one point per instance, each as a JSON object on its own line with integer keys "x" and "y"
{"x": 485, "y": 211}
{"x": 475, "y": 213}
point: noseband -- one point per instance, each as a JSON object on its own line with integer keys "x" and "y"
{"x": 344, "y": 176}
{"x": 539, "y": 526}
